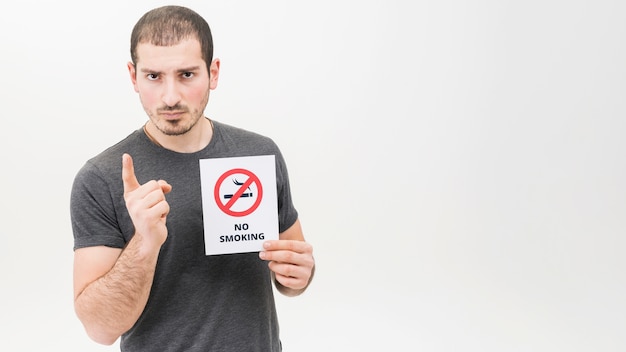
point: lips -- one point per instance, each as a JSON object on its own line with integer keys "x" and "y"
{"x": 171, "y": 115}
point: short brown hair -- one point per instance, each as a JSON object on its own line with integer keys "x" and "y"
{"x": 168, "y": 25}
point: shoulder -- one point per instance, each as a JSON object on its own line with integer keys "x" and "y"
{"x": 242, "y": 140}
{"x": 237, "y": 132}
{"x": 108, "y": 162}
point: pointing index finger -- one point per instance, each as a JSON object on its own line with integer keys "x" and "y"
{"x": 128, "y": 174}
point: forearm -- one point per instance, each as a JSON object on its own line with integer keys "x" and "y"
{"x": 111, "y": 305}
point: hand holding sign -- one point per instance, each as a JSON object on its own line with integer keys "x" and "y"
{"x": 146, "y": 204}
{"x": 291, "y": 261}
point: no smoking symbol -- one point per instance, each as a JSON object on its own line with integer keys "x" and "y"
{"x": 238, "y": 194}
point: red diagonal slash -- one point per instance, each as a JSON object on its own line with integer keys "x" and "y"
{"x": 238, "y": 194}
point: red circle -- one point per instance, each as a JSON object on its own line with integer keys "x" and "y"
{"x": 226, "y": 209}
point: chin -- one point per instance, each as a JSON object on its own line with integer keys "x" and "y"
{"x": 173, "y": 128}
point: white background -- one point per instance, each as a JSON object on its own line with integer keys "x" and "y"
{"x": 459, "y": 165}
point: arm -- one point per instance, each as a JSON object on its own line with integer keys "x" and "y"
{"x": 290, "y": 260}
{"x": 111, "y": 286}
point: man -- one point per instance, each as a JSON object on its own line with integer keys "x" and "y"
{"x": 140, "y": 269}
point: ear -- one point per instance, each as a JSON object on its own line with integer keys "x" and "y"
{"x": 214, "y": 71}
{"x": 133, "y": 75}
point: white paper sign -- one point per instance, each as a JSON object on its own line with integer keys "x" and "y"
{"x": 239, "y": 203}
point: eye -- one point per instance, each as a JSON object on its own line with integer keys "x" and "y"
{"x": 152, "y": 76}
{"x": 187, "y": 74}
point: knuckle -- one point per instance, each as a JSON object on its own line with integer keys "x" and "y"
{"x": 289, "y": 270}
{"x": 289, "y": 257}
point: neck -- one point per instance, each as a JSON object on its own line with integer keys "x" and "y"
{"x": 196, "y": 139}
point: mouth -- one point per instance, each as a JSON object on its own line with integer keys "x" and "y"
{"x": 171, "y": 115}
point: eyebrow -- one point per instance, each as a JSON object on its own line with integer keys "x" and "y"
{"x": 181, "y": 70}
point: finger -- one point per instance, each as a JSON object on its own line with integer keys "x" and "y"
{"x": 290, "y": 276}
{"x": 165, "y": 187}
{"x": 286, "y": 270}
{"x": 288, "y": 258}
{"x": 128, "y": 174}
{"x": 157, "y": 205}
{"x": 288, "y": 245}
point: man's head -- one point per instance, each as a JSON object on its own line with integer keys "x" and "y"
{"x": 172, "y": 68}
{"x": 168, "y": 25}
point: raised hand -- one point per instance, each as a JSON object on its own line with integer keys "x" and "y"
{"x": 146, "y": 204}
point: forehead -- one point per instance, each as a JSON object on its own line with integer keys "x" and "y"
{"x": 162, "y": 58}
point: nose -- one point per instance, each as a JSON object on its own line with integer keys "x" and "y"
{"x": 171, "y": 93}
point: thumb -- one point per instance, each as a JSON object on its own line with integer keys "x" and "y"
{"x": 128, "y": 174}
{"x": 165, "y": 187}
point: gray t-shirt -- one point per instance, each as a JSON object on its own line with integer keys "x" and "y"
{"x": 197, "y": 302}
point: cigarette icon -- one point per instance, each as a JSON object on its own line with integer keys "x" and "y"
{"x": 243, "y": 195}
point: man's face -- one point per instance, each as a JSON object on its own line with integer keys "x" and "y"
{"x": 173, "y": 84}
